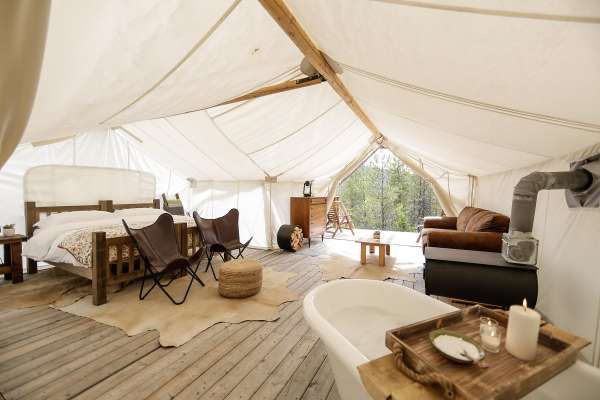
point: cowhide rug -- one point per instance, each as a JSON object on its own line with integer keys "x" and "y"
{"x": 44, "y": 288}
{"x": 203, "y": 308}
{"x": 336, "y": 266}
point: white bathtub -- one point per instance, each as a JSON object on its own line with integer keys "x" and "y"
{"x": 351, "y": 317}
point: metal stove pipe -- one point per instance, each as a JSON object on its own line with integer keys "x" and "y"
{"x": 518, "y": 245}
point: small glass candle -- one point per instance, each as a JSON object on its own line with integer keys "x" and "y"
{"x": 490, "y": 334}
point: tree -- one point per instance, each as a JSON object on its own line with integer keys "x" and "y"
{"x": 385, "y": 194}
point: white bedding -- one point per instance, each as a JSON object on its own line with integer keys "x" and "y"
{"x": 43, "y": 246}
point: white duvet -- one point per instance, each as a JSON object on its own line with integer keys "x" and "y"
{"x": 43, "y": 246}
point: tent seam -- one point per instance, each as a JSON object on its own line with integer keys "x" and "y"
{"x": 199, "y": 149}
{"x": 498, "y": 13}
{"x": 182, "y": 61}
{"x": 319, "y": 149}
{"x": 372, "y": 140}
{"x": 545, "y": 157}
{"x": 171, "y": 151}
{"x": 513, "y": 112}
{"x": 218, "y": 128}
{"x": 294, "y": 72}
{"x": 295, "y": 131}
{"x": 289, "y": 71}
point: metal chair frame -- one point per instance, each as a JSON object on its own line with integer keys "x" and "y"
{"x": 175, "y": 268}
{"x": 219, "y": 248}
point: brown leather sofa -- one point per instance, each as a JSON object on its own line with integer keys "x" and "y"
{"x": 474, "y": 229}
{"x": 463, "y": 260}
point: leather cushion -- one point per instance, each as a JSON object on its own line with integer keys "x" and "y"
{"x": 465, "y": 216}
{"x": 488, "y": 221}
{"x": 440, "y": 222}
{"x": 424, "y": 235}
{"x": 478, "y": 241}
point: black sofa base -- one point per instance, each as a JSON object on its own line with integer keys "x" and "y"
{"x": 480, "y": 277}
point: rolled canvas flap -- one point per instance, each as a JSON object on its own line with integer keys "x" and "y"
{"x": 58, "y": 185}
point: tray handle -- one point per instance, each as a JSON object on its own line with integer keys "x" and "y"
{"x": 431, "y": 378}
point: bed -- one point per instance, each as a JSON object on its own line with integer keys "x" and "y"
{"x": 88, "y": 239}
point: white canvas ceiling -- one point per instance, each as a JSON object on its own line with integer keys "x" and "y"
{"x": 478, "y": 93}
{"x": 297, "y": 135}
{"x": 463, "y": 90}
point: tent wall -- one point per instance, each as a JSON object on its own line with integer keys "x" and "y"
{"x": 263, "y": 206}
{"x": 97, "y": 149}
{"x": 213, "y": 199}
{"x": 569, "y": 249}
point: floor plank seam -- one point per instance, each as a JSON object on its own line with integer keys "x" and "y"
{"x": 249, "y": 350}
{"x": 253, "y": 360}
{"x": 293, "y": 265}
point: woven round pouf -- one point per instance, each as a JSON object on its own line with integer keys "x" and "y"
{"x": 240, "y": 278}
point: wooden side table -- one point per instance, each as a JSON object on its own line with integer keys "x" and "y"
{"x": 382, "y": 244}
{"x": 13, "y": 262}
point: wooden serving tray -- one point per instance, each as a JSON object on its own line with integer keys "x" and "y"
{"x": 505, "y": 377}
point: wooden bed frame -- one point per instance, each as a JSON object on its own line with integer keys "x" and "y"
{"x": 101, "y": 272}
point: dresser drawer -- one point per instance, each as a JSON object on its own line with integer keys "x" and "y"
{"x": 317, "y": 210}
{"x": 318, "y": 200}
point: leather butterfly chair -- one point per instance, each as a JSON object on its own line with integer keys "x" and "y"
{"x": 157, "y": 245}
{"x": 221, "y": 236}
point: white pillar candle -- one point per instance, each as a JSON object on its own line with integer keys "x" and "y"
{"x": 522, "y": 332}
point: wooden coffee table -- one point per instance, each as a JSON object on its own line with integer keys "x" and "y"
{"x": 382, "y": 244}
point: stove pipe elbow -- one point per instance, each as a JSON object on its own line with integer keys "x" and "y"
{"x": 526, "y": 191}
{"x": 518, "y": 245}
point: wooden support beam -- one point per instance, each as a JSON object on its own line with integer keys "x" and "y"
{"x": 280, "y": 12}
{"x": 286, "y": 20}
{"x": 278, "y": 88}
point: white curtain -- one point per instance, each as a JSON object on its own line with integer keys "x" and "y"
{"x": 23, "y": 26}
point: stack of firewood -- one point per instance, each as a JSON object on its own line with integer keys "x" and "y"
{"x": 296, "y": 238}
{"x": 289, "y": 237}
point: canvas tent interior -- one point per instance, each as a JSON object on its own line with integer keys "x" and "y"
{"x": 472, "y": 98}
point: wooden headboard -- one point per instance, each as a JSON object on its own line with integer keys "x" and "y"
{"x": 33, "y": 212}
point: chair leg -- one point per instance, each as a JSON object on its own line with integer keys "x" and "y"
{"x": 209, "y": 265}
{"x": 142, "y": 297}
{"x": 241, "y": 249}
{"x": 209, "y": 256}
{"x": 212, "y": 269}
{"x": 230, "y": 256}
{"x": 187, "y": 291}
{"x": 194, "y": 275}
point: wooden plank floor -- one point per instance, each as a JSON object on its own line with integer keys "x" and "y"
{"x": 49, "y": 354}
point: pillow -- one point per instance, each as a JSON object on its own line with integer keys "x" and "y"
{"x": 465, "y": 216}
{"x": 130, "y": 212}
{"x": 72, "y": 216}
{"x": 488, "y": 221}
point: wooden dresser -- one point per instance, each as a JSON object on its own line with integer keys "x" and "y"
{"x": 310, "y": 213}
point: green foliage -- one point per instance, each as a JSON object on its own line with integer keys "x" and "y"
{"x": 385, "y": 194}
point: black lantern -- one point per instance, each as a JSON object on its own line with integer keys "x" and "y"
{"x": 307, "y": 188}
